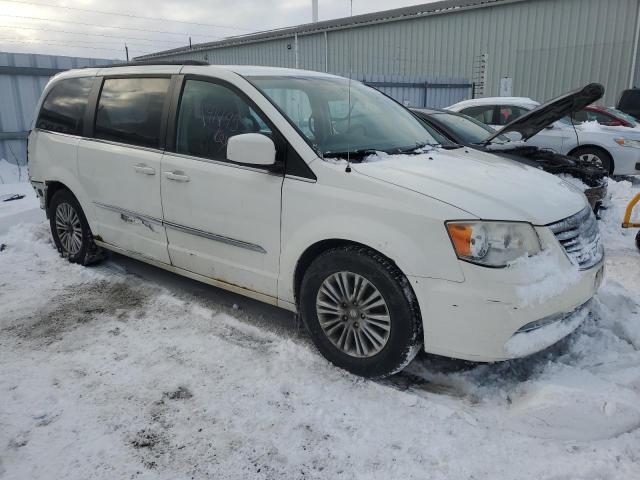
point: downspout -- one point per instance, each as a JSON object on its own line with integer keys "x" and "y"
{"x": 326, "y": 53}
{"x": 635, "y": 49}
{"x": 295, "y": 43}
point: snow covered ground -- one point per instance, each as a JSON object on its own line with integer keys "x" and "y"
{"x": 126, "y": 371}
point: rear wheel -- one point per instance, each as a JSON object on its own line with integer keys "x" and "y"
{"x": 70, "y": 229}
{"x": 595, "y": 156}
{"x": 361, "y": 312}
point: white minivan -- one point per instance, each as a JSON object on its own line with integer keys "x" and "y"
{"x": 319, "y": 195}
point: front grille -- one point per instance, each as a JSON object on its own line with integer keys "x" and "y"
{"x": 579, "y": 235}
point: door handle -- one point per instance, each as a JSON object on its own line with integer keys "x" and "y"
{"x": 142, "y": 168}
{"x": 177, "y": 176}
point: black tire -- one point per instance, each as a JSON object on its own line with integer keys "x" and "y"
{"x": 85, "y": 252}
{"x": 602, "y": 156}
{"x": 404, "y": 335}
{"x": 638, "y": 240}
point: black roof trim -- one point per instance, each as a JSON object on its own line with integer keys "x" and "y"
{"x": 142, "y": 63}
{"x": 405, "y": 13}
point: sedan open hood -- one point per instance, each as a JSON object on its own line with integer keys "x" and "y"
{"x": 533, "y": 122}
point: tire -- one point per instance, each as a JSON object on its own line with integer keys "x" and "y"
{"x": 70, "y": 230}
{"x": 638, "y": 240}
{"x": 596, "y": 155}
{"x": 380, "y": 339}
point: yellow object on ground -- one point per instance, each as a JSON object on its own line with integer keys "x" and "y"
{"x": 626, "y": 221}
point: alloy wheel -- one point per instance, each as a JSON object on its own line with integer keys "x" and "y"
{"x": 69, "y": 228}
{"x": 353, "y": 314}
{"x": 591, "y": 158}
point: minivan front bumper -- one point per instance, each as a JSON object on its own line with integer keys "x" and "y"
{"x": 484, "y": 318}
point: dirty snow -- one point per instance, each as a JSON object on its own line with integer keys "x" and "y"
{"x": 126, "y": 371}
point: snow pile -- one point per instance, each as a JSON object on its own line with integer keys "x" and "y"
{"x": 576, "y": 182}
{"x": 21, "y": 210}
{"x": 548, "y": 277}
{"x": 592, "y": 126}
{"x": 613, "y": 235}
{"x": 12, "y": 173}
{"x": 527, "y": 343}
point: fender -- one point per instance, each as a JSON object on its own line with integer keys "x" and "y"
{"x": 399, "y": 224}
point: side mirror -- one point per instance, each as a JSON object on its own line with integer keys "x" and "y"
{"x": 251, "y": 149}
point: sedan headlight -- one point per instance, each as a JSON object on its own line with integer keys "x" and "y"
{"x": 625, "y": 142}
{"x": 493, "y": 244}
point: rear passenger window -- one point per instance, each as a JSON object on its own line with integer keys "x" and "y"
{"x": 63, "y": 109}
{"x": 509, "y": 113}
{"x": 482, "y": 113}
{"x": 209, "y": 115}
{"x": 130, "y": 110}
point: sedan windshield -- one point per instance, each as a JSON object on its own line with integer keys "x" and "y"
{"x": 336, "y": 118}
{"x": 617, "y": 113}
{"x": 467, "y": 128}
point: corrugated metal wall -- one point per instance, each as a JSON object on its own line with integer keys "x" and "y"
{"x": 546, "y": 46}
{"x": 20, "y": 89}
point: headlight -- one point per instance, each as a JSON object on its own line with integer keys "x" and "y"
{"x": 493, "y": 244}
{"x": 625, "y": 142}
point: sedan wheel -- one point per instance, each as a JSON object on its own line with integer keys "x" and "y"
{"x": 353, "y": 314}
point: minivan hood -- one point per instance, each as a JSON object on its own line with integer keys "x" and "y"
{"x": 534, "y": 121}
{"x": 482, "y": 184}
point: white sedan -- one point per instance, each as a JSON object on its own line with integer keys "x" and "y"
{"x": 615, "y": 148}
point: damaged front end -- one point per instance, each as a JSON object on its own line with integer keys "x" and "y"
{"x": 591, "y": 175}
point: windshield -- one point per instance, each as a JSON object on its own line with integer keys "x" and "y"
{"x": 320, "y": 108}
{"x": 469, "y": 129}
{"x": 617, "y": 113}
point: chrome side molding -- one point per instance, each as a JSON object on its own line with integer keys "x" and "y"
{"x": 133, "y": 217}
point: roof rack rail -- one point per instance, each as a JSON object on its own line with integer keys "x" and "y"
{"x": 152, "y": 62}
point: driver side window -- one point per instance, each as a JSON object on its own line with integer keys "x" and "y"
{"x": 209, "y": 115}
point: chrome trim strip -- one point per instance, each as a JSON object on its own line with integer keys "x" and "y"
{"x": 125, "y": 145}
{"x": 215, "y": 237}
{"x": 58, "y": 133}
{"x": 157, "y": 221}
{"x": 220, "y": 162}
{"x": 182, "y": 228}
{"x": 301, "y": 179}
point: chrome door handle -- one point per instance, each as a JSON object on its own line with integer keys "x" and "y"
{"x": 177, "y": 176}
{"x": 142, "y": 168}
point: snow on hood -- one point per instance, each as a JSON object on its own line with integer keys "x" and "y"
{"x": 482, "y": 184}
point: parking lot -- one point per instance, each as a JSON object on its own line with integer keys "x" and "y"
{"x": 123, "y": 370}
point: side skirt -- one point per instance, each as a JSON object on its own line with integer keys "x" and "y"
{"x": 201, "y": 278}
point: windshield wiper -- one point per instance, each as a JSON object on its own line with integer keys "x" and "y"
{"x": 413, "y": 149}
{"x": 451, "y": 146}
{"x": 351, "y": 154}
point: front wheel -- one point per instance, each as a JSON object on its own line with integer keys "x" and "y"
{"x": 70, "y": 229}
{"x": 361, "y": 312}
{"x": 595, "y": 156}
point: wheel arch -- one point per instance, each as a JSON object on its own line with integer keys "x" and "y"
{"x": 597, "y": 147}
{"x": 53, "y": 187}
{"x": 315, "y": 250}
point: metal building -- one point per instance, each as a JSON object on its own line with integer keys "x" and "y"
{"x": 23, "y": 76}
{"x": 437, "y": 51}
